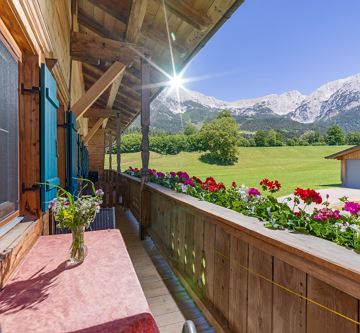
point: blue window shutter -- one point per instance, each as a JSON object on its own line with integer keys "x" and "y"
{"x": 48, "y": 137}
{"x": 85, "y": 162}
{"x": 72, "y": 153}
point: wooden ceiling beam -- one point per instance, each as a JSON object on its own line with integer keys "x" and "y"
{"x": 136, "y": 19}
{"x": 96, "y": 27}
{"x": 147, "y": 30}
{"x": 92, "y": 94}
{"x": 188, "y": 14}
{"x": 95, "y": 112}
{"x": 115, "y": 8}
{"x": 93, "y": 49}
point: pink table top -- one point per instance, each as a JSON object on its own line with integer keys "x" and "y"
{"x": 102, "y": 294}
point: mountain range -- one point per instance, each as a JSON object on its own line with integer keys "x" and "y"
{"x": 334, "y": 102}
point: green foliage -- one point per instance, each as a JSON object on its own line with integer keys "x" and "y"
{"x": 335, "y": 135}
{"x": 353, "y": 138}
{"x": 261, "y": 138}
{"x": 220, "y": 138}
{"x": 190, "y": 129}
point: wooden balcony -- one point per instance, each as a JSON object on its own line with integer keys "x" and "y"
{"x": 243, "y": 276}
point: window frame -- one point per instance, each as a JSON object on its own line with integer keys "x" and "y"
{"x": 9, "y": 42}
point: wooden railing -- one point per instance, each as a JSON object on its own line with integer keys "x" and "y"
{"x": 245, "y": 277}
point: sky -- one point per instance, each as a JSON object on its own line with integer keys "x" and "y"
{"x": 273, "y": 46}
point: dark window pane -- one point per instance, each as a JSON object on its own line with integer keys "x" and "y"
{"x": 8, "y": 132}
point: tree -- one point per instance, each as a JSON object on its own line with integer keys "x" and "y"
{"x": 190, "y": 129}
{"x": 220, "y": 138}
{"x": 335, "y": 135}
{"x": 260, "y": 138}
{"x": 353, "y": 138}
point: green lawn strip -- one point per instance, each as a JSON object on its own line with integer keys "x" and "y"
{"x": 292, "y": 166}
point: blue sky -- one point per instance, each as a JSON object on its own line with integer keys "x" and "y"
{"x": 272, "y": 46}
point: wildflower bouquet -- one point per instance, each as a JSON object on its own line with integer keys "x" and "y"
{"x": 75, "y": 213}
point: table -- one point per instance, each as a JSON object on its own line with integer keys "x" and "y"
{"x": 102, "y": 294}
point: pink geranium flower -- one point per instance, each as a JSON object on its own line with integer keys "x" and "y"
{"x": 189, "y": 182}
{"x": 352, "y": 207}
{"x": 253, "y": 192}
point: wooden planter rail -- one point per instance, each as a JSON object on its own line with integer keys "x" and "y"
{"x": 247, "y": 278}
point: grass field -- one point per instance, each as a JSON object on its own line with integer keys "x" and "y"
{"x": 292, "y": 166}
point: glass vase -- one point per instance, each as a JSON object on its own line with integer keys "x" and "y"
{"x": 78, "y": 248}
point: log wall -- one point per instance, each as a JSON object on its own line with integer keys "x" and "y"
{"x": 247, "y": 278}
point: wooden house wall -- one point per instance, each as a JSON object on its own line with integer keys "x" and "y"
{"x": 41, "y": 30}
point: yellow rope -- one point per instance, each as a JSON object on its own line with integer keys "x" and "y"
{"x": 291, "y": 291}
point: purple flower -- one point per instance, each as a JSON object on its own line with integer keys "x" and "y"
{"x": 183, "y": 175}
{"x": 352, "y": 207}
{"x": 99, "y": 192}
{"x": 172, "y": 174}
{"x": 160, "y": 175}
{"x": 253, "y": 192}
{"x": 189, "y": 182}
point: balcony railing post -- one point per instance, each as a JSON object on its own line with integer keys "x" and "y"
{"x": 118, "y": 159}
{"x": 145, "y": 151}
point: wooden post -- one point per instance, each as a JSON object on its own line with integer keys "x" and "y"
{"x": 145, "y": 153}
{"x": 110, "y": 150}
{"x": 118, "y": 159}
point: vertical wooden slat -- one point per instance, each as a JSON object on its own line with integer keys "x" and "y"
{"x": 189, "y": 244}
{"x": 239, "y": 261}
{"x": 322, "y": 320}
{"x": 259, "y": 291}
{"x": 222, "y": 273}
{"x": 209, "y": 259}
{"x": 289, "y": 310}
{"x": 198, "y": 248}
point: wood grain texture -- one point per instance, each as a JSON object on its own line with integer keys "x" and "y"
{"x": 84, "y": 103}
{"x": 259, "y": 291}
{"x": 29, "y": 136}
{"x": 322, "y": 320}
{"x": 289, "y": 310}
{"x": 238, "y": 285}
{"x": 135, "y": 20}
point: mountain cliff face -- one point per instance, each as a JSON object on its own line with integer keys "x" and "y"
{"x": 337, "y": 101}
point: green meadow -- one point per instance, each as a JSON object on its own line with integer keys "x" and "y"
{"x": 292, "y": 166}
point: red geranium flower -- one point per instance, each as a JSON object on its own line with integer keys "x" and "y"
{"x": 271, "y": 186}
{"x": 233, "y": 184}
{"x": 309, "y": 196}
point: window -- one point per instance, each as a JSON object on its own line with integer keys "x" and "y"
{"x": 9, "y": 107}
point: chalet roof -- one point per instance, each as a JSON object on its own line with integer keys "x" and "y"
{"x": 343, "y": 152}
{"x": 191, "y": 24}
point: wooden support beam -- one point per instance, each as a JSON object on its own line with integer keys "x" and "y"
{"x": 83, "y": 104}
{"x": 93, "y": 130}
{"x": 188, "y": 14}
{"x": 92, "y": 49}
{"x": 135, "y": 21}
{"x": 99, "y": 29}
{"x": 112, "y": 94}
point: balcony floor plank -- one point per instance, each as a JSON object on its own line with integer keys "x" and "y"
{"x": 168, "y": 300}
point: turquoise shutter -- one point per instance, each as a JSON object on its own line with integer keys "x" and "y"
{"x": 48, "y": 137}
{"x": 72, "y": 153}
{"x": 85, "y": 162}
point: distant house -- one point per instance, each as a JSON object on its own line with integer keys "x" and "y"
{"x": 350, "y": 166}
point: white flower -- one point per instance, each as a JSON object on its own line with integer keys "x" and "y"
{"x": 184, "y": 188}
